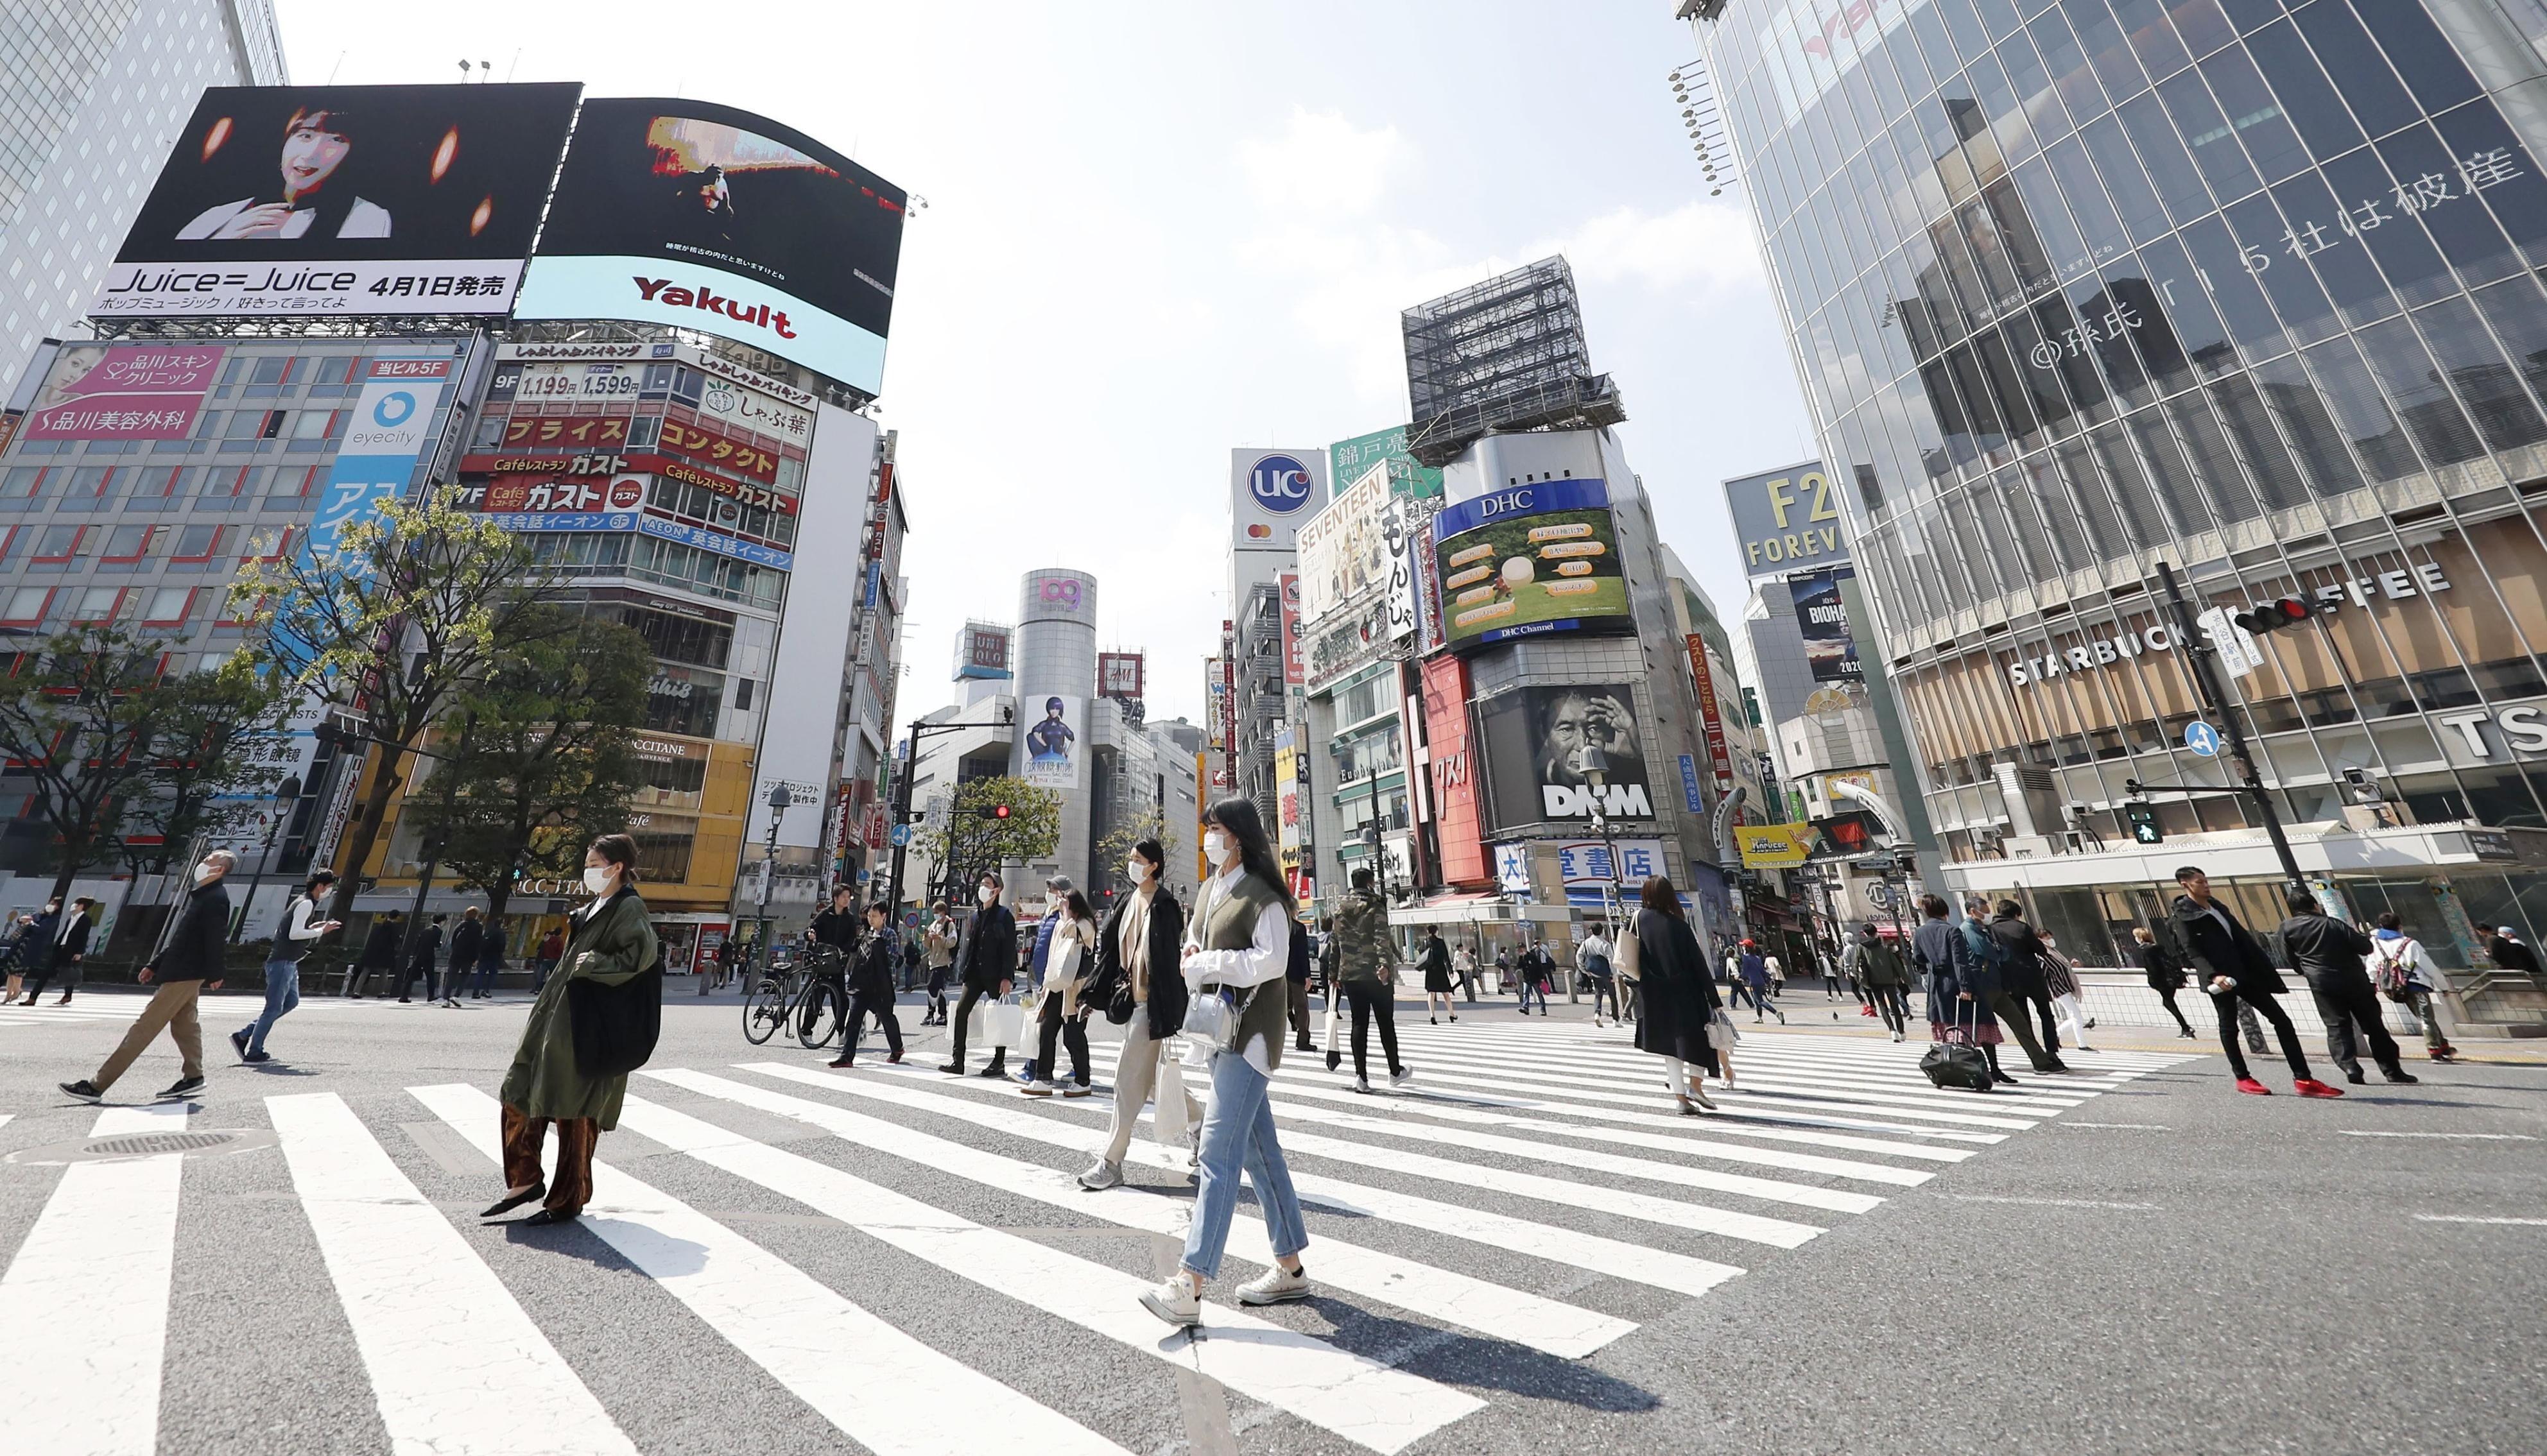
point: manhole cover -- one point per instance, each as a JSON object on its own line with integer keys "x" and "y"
{"x": 144, "y": 1143}
{"x": 209, "y": 1142}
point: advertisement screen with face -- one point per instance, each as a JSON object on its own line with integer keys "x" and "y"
{"x": 1048, "y": 752}
{"x": 713, "y": 218}
{"x": 344, "y": 200}
{"x": 1534, "y": 740}
{"x": 1534, "y": 559}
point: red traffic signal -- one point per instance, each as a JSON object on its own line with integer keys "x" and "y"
{"x": 2288, "y": 612}
{"x": 994, "y": 812}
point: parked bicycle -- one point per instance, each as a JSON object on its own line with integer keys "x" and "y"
{"x": 808, "y": 995}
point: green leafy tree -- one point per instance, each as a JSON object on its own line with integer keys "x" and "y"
{"x": 1116, "y": 846}
{"x": 417, "y": 605}
{"x": 216, "y": 762}
{"x": 550, "y": 761}
{"x": 975, "y": 838}
{"x": 87, "y": 717}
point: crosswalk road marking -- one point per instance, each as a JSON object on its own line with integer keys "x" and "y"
{"x": 86, "y": 1299}
{"x": 1531, "y": 1191}
{"x": 455, "y": 1364}
{"x": 1489, "y": 1309}
{"x": 809, "y": 1338}
{"x": 1662, "y": 1268}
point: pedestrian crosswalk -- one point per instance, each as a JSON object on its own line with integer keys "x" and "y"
{"x": 223, "y": 1012}
{"x": 850, "y": 1236}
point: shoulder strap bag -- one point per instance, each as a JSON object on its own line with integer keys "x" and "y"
{"x": 615, "y": 1027}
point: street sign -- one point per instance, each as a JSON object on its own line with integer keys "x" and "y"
{"x": 2240, "y": 652}
{"x": 2202, "y": 738}
{"x": 901, "y": 836}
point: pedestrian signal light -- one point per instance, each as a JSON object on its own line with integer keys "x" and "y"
{"x": 2144, "y": 823}
{"x": 2288, "y": 612}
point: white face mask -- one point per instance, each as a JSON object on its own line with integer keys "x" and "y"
{"x": 987, "y": 895}
{"x": 1138, "y": 870}
{"x": 203, "y": 873}
{"x": 1220, "y": 847}
{"x": 597, "y": 877}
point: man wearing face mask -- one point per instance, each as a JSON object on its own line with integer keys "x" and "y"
{"x": 987, "y": 965}
{"x": 187, "y": 966}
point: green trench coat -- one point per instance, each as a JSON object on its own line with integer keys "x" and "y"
{"x": 612, "y": 945}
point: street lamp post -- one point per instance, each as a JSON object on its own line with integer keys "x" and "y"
{"x": 1594, "y": 765}
{"x": 285, "y": 795}
{"x": 780, "y": 803}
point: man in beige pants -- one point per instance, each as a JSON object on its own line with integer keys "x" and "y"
{"x": 189, "y": 965}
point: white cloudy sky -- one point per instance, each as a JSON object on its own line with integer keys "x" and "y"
{"x": 1157, "y": 231}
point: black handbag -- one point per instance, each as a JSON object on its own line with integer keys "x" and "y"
{"x": 615, "y": 1027}
{"x": 1951, "y": 1064}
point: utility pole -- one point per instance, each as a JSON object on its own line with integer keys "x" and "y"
{"x": 2206, "y": 681}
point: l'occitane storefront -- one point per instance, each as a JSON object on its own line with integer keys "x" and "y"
{"x": 686, "y": 816}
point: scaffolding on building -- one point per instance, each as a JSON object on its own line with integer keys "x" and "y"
{"x": 1504, "y": 354}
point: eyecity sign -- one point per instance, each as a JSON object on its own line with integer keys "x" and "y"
{"x": 2420, "y": 578}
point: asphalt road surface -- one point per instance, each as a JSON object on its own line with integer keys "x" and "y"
{"x": 1521, "y": 1252}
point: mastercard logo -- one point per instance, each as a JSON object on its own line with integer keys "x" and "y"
{"x": 1260, "y": 533}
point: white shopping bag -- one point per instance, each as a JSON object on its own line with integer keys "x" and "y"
{"x": 1168, "y": 1113}
{"x": 999, "y": 1023}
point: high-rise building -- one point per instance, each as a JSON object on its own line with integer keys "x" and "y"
{"x": 2092, "y": 298}
{"x": 96, "y": 90}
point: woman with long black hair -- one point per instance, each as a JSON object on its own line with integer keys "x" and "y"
{"x": 1236, "y": 949}
{"x": 1140, "y": 947}
{"x": 319, "y": 170}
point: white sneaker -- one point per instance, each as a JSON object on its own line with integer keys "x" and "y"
{"x": 1037, "y": 1089}
{"x": 1359, "y": 1085}
{"x": 1401, "y": 1078}
{"x": 1897, "y": 1035}
{"x": 1275, "y": 1286}
{"x": 1174, "y": 1302}
{"x": 1102, "y": 1175}
{"x": 1076, "y": 1090}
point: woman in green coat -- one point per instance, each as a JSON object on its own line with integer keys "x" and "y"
{"x": 608, "y": 941}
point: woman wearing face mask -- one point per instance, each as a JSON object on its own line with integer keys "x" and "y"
{"x": 1237, "y": 947}
{"x": 1063, "y": 1016}
{"x": 1142, "y": 940}
{"x": 609, "y": 942}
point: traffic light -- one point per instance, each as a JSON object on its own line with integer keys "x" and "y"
{"x": 2144, "y": 821}
{"x": 995, "y": 811}
{"x": 2288, "y": 612}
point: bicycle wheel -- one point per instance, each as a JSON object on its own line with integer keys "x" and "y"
{"x": 764, "y": 1011}
{"x": 820, "y": 1014}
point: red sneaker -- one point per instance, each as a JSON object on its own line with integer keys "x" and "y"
{"x": 1866, "y": 1010}
{"x": 2309, "y": 1086}
{"x": 2253, "y": 1088}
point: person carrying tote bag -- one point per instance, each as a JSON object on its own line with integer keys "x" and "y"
{"x": 609, "y": 945}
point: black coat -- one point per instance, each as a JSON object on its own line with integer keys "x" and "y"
{"x": 2233, "y": 951}
{"x": 2511, "y": 955}
{"x": 990, "y": 952}
{"x": 464, "y": 944}
{"x": 196, "y": 951}
{"x": 2022, "y": 973}
{"x": 428, "y": 944}
{"x": 1680, "y": 997}
{"x": 1167, "y": 1004}
{"x": 841, "y": 928}
{"x": 2164, "y": 971}
{"x": 872, "y": 974}
{"x": 491, "y": 949}
{"x": 2325, "y": 950}
{"x": 380, "y": 947}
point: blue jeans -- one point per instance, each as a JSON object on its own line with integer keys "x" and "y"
{"x": 1529, "y": 989}
{"x": 1239, "y": 1129}
{"x": 484, "y": 982}
{"x": 281, "y": 993}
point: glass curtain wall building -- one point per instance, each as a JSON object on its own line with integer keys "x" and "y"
{"x": 2246, "y": 286}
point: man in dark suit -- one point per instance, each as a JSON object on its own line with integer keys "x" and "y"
{"x": 419, "y": 958}
{"x": 2327, "y": 954}
{"x": 2232, "y": 966}
{"x": 988, "y": 966}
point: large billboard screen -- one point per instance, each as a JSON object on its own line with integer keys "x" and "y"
{"x": 292, "y": 200}
{"x": 712, "y": 218}
{"x": 124, "y": 392}
{"x": 1821, "y": 618}
{"x": 1787, "y": 520}
{"x": 1529, "y": 559}
{"x": 1533, "y": 740}
{"x": 1342, "y": 551}
{"x": 1048, "y": 752}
